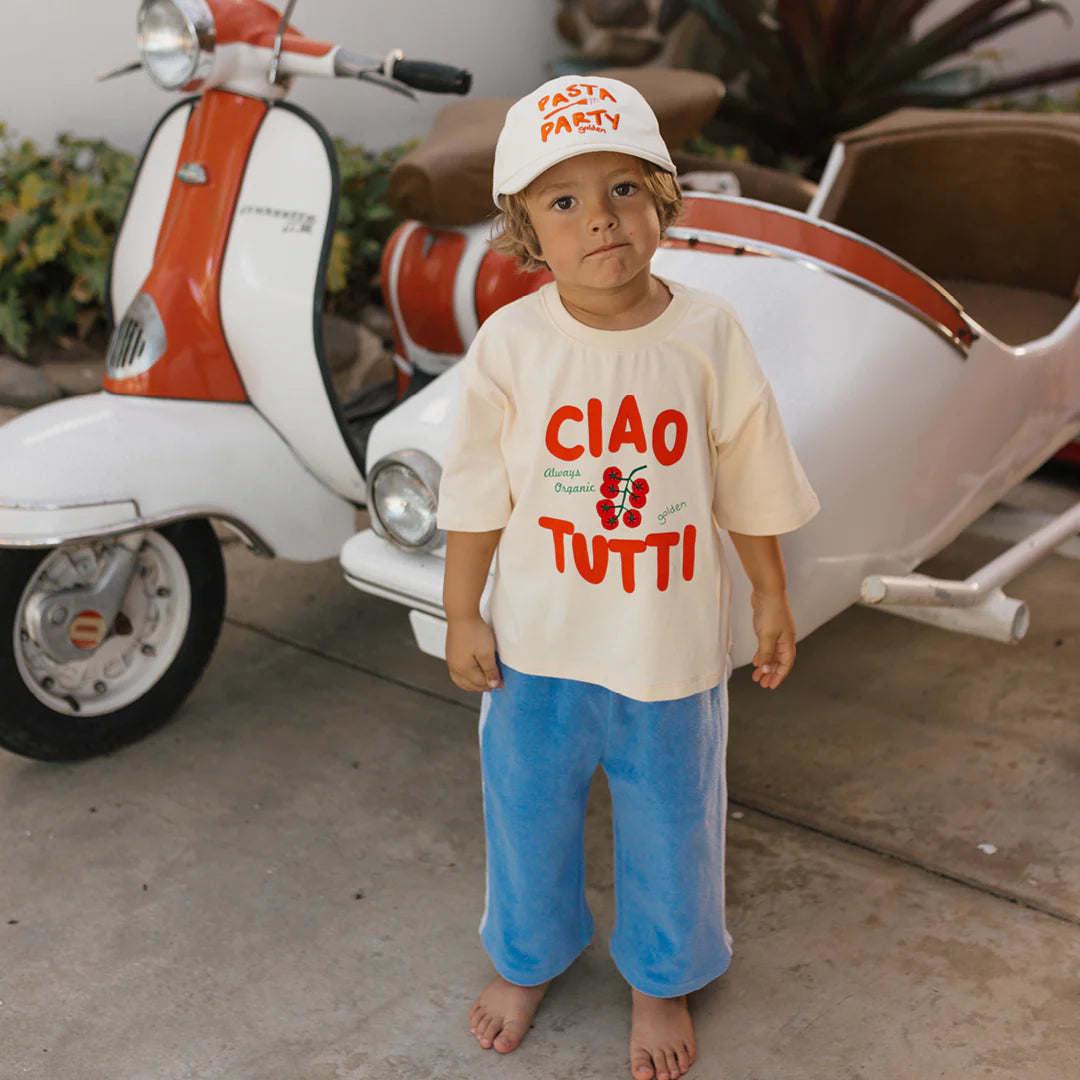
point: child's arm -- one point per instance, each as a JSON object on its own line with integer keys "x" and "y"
{"x": 773, "y": 622}
{"x": 470, "y": 644}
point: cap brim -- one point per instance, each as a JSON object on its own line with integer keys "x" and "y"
{"x": 528, "y": 173}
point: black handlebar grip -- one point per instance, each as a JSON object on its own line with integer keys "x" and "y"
{"x": 435, "y": 78}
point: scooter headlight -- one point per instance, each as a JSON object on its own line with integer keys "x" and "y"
{"x": 176, "y": 42}
{"x": 403, "y": 497}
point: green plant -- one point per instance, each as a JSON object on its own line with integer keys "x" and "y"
{"x": 59, "y": 212}
{"x": 365, "y": 222}
{"x": 814, "y": 68}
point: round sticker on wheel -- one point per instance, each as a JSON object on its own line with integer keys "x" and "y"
{"x": 87, "y": 630}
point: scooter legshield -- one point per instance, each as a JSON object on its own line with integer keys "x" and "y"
{"x": 272, "y": 289}
{"x": 106, "y": 464}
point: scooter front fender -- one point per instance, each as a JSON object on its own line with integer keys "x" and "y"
{"x": 106, "y": 464}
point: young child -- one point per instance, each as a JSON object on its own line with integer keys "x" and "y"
{"x": 609, "y": 425}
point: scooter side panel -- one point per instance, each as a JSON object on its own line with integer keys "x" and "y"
{"x": 108, "y": 463}
{"x": 133, "y": 252}
{"x": 272, "y": 288}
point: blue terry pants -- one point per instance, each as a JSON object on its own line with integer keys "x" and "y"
{"x": 541, "y": 740}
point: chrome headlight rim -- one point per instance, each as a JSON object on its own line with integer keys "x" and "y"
{"x": 428, "y": 471}
{"x": 202, "y": 31}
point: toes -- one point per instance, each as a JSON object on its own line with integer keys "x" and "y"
{"x": 510, "y": 1037}
{"x": 663, "y": 1066}
{"x": 494, "y": 1026}
{"x": 486, "y": 1030}
{"x": 641, "y": 1066}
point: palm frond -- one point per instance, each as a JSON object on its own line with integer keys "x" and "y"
{"x": 1044, "y": 76}
{"x": 955, "y": 36}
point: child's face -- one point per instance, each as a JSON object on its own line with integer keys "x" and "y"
{"x": 595, "y": 220}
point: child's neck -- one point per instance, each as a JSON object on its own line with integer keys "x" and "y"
{"x": 625, "y": 307}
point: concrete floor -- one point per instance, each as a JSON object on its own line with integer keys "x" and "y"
{"x": 284, "y": 883}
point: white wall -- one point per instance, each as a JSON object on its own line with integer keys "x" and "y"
{"x": 51, "y": 52}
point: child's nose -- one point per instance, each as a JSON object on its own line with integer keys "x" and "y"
{"x": 603, "y": 217}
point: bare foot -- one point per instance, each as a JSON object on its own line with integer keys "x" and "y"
{"x": 502, "y": 1014}
{"x": 661, "y": 1038}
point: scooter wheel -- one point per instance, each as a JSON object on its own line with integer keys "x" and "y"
{"x": 72, "y": 688}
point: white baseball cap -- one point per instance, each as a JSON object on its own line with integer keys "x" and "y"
{"x": 571, "y": 115}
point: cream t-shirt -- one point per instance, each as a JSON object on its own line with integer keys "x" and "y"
{"x": 608, "y": 458}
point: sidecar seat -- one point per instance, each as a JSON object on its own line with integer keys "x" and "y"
{"x": 446, "y": 180}
{"x": 986, "y": 203}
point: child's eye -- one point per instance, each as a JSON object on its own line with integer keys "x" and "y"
{"x": 564, "y": 202}
{"x": 627, "y": 187}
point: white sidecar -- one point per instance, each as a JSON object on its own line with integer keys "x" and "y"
{"x": 918, "y": 322}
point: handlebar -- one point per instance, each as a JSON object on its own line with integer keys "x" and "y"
{"x": 430, "y": 76}
{"x": 396, "y": 73}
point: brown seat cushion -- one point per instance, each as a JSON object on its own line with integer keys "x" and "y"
{"x": 1014, "y": 316}
{"x": 446, "y": 180}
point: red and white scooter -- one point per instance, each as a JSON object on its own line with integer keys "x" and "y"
{"x": 217, "y": 401}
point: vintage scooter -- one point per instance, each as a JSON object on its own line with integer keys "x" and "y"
{"x": 217, "y": 401}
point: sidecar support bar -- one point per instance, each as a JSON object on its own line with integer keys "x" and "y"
{"x": 977, "y": 604}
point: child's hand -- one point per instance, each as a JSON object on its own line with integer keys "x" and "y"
{"x": 470, "y": 654}
{"x": 775, "y": 628}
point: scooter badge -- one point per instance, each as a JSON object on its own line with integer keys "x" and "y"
{"x": 191, "y": 172}
{"x": 87, "y": 630}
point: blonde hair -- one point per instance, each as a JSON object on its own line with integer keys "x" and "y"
{"x": 517, "y": 235}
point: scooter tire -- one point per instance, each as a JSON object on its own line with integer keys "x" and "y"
{"x": 28, "y": 727}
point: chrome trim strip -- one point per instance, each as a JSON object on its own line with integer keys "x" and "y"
{"x": 773, "y": 251}
{"x": 839, "y": 230}
{"x": 405, "y": 599}
{"x": 253, "y": 539}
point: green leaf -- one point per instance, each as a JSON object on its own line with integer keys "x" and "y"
{"x": 32, "y": 192}
{"x": 337, "y": 271}
{"x": 955, "y": 82}
{"x": 13, "y": 327}
{"x": 379, "y": 212}
{"x": 1027, "y": 79}
{"x": 15, "y": 232}
{"x": 48, "y": 243}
